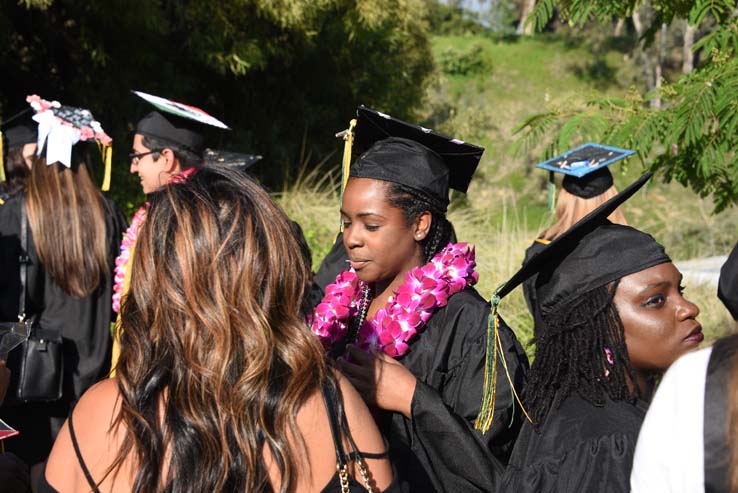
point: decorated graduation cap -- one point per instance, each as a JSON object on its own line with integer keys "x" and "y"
{"x": 60, "y": 127}
{"x": 231, "y": 159}
{"x": 176, "y": 123}
{"x": 590, "y": 254}
{"x": 585, "y": 169}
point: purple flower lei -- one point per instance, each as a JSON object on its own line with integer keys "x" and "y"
{"x": 424, "y": 290}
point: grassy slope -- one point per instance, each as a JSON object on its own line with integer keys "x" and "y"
{"x": 506, "y": 204}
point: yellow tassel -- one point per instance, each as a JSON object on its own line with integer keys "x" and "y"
{"x": 489, "y": 394}
{"x": 348, "y": 143}
{"x": 2, "y": 159}
{"x": 108, "y": 157}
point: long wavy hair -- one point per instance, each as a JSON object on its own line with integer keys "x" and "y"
{"x": 216, "y": 358}
{"x": 570, "y": 209}
{"x": 67, "y": 218}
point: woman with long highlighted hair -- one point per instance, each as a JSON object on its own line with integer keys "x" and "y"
{"x": 220, "y": 384}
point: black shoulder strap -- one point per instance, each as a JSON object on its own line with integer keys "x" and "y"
{"x": 24, "y": 260}
{"x": 329, "y": 398}
{"x": 717, "y": 451}
{"x": 82, "y": 464}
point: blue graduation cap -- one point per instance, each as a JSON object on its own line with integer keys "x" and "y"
{"x": 584, "y": 169}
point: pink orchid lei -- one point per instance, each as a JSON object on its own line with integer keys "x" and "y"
{"x": 424, "y": 290}
{"x": 121, "y": 262}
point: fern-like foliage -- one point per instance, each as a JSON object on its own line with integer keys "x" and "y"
{"x": 693, "y": 137}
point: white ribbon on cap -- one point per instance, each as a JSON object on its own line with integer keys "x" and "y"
{"x": 59, "y": 138}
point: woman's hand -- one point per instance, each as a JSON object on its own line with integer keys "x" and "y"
{"x": 381, "y": 380}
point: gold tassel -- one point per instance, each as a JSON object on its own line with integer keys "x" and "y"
{"x": 107, "y": 158}
{"x": 489, "y": 394}
{"x": 348, "y": 143}
{"x": 2, "y": 160}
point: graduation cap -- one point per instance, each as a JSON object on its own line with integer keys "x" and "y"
{"x": 60, "y": 127}
{"x": 590, "y": 254}
{"x": 584, "y": 169}
{"x": 411, "y": 155}
{"x": 231, "y": 159}
{"x": 176, "y": 123}
{"x": 11, "y": 137}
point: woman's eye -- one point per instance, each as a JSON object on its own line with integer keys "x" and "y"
{"x": 371, "y": 227}
{"x": 654, "y": 300}
{"x": 346, "y": 224}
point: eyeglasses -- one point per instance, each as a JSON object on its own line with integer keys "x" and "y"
{"x": 135, "y": 157}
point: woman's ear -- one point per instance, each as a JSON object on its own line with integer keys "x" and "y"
{"x": 423, "y": 225}
{"x": 171, "y": 162}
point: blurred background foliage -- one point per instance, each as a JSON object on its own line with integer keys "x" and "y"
{"x": 523, "y": 78}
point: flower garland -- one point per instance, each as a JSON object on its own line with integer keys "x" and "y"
{"x": 424, "y": 290}
{"x": 121, "y": 262}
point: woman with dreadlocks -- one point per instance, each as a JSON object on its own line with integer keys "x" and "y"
{"x": 612, "y": 320}
{"x": 409, "y": 328}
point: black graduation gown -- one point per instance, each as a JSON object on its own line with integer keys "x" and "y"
{"x": 438, "y": 449}
{"x": 728, "y": 283}
{"x": 529, "y": 285}
{"x": 580, "y": 447}
{"x": 83, "y": 322}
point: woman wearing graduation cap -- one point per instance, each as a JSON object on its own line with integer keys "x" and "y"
{"x": 19, "y": 148}
{"x": 415, "y": 327}
{"x": 587, "y": 184}
{"x": 72, "y": 234}
{"x": 612, "y": 318}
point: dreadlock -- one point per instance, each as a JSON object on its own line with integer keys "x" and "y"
{"x": 572, "y": 355}
{"x": 413, "y": 204}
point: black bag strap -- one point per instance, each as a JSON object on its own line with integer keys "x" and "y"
{"x": 329, "y": 397}
{"x": 24, "y": 260}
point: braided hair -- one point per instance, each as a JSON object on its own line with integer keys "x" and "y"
{"x": 413, "y": 204}
{"x": 580, "y": 348}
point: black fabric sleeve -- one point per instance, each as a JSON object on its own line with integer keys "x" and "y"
{"x": 445, "y": 408}
{"x": 728, "y": 283}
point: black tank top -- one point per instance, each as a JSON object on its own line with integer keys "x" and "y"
{"x": 339, "y": 431}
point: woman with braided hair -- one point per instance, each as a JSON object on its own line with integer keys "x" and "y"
{"x": 612, "y": 318}
{"x": 405, "y": 322}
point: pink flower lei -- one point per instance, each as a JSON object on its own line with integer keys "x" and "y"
{"x": 424, "y": 290}
{"x": 121, "y": 262}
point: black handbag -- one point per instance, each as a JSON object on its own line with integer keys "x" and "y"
{"x": 37, "y": 366}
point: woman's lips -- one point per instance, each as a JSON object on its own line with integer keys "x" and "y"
{"x": 358, "y": 264}
{"x": 696, "y": 336}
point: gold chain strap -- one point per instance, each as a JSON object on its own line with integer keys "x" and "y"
{"x": 344, "y": 477}
{"x": 364, "y": 474}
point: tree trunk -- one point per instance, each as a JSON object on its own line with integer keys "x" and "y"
{"x": 524, "y": 27}
{"x": 619, "y": 27}
{"x": 658, "y": 72}
{"x": 687, "y": 54}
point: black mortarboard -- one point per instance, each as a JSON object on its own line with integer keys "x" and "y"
{"x": 585, "y": 168}
{"x": 232, "y": 159}
{"x": 412, "y": 155}
{"x": 176, "y": 123}
{"x": 20, "y": 135}
{"x": 590, "y": 254}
